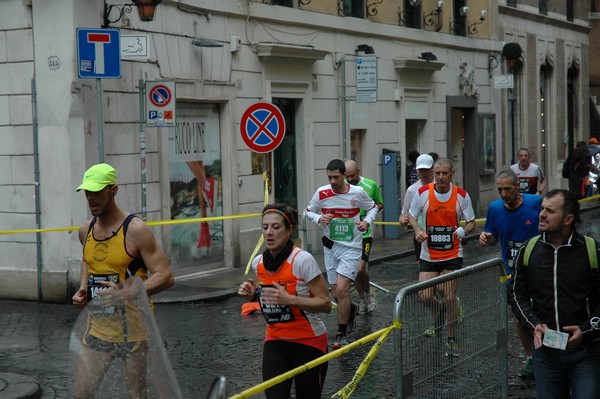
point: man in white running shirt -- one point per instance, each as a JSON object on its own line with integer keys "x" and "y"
{"x": 336, "y": 208}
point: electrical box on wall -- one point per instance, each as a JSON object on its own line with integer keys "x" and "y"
{"x": 235, "y": 43}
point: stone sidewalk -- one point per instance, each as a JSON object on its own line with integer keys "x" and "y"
{"x": 223, "y": 284}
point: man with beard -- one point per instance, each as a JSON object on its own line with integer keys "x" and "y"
{"x": 117, "y": 246}
{"x": 557, "y": 300}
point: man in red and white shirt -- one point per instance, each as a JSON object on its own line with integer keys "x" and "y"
{"x": 531, "y": 176}
{"x": 336, "y": 208}
{"x": 442, "y": 205}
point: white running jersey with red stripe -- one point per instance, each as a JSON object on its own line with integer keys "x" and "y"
{"x": 345, "y": 208}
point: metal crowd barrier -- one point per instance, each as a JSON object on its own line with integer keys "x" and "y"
{"x": 425, "y": 365}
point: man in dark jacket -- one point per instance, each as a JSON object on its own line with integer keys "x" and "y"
{"x": 557, "y": 299}
{"x": 580, "y": 164}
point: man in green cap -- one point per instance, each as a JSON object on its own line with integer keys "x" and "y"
{"x": 117, "y": 246}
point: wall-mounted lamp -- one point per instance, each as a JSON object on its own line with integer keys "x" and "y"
{"x": 146, "y": 9}
{"x": 364, "y": 49}
{"x": 458, "y": 24}
{"x": 408, "y": 16}
{"x": 428, "y": 19}
{"x": 473, "y": 27}
{"x": 206, "y": 43}
{"x": 492, "y": 63}
{"x": 513, "y": 54}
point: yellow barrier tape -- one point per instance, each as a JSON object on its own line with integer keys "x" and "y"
{"x": 48, "y": 230}
{"x": 214, "y": 218}
{"x": 151, "y": 223}
{"x": 261, "y": 239}
{"x": 200, "y": 220}
{"x": 477, "y": 221}
{"x": 346, "y": 391}
{"x": 588, "y": 199}
{"x": 313, "y": 363}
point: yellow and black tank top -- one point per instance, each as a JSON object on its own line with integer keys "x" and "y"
{"x": 108, "y": 260}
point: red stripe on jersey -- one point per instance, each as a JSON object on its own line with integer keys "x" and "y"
{"x": 323, "y": 194}
{"x": 424, "y": 188}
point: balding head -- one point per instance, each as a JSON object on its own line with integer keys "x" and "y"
{"x": 352, "y": 172}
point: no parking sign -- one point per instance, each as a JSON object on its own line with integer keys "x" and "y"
{"x": 160, "y": 103}
{"x": 262, "y": 127}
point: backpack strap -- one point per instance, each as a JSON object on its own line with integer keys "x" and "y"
{"x": 590, "y": 243}
{"x": 529, "y": 248}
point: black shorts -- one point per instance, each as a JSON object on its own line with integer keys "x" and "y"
{"x": 366, "y": 248}
{"x": 119, "y": 349}
{"x": 439, "y": 267}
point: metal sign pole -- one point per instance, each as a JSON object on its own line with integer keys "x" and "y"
{"x": 100, "y": 119}
{"x": 142, "y": 88}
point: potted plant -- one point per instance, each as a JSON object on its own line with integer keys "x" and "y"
{"x": 512, "y": 52}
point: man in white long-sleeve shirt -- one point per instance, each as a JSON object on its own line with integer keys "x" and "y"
{"x": 336, "y": 208}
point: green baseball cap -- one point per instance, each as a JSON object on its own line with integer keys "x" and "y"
{"x": 97, "y": 177}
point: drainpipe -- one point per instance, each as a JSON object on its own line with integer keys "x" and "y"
{"x": 36, "y": 174}
{"x": 343, "y": 105}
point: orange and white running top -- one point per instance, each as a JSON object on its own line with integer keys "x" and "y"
{"x": 290, "y": 322}
{"x": 441, "y": 217}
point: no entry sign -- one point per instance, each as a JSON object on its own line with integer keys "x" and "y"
{"x": 262, "y": 127}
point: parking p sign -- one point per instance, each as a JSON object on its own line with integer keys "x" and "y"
{"x": 160, "y": 103}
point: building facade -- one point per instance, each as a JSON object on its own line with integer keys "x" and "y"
{"x": 364, "y": 79}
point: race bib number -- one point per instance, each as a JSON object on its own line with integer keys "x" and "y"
{"x": 523, "y": 184}
{"x": 274, "y": 313}
{"x": 341, "y": 229}
{"x": 440, "y": 237}
{"x": 512, "y": 250}
{"x": 96, "y": 305}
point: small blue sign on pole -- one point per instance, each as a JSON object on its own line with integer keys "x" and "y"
{"x": 98, "y": 53}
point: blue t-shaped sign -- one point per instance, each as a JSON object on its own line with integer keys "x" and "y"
{"x": 98, "y": 53}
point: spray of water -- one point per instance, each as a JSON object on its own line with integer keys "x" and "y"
{"x": 117, "y": 350}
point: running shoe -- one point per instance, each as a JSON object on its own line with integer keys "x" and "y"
{"x": 527, "y": 370}
{"x": 371, "y": 303}
{"x": 452, "y": 348}
{"x": 368, "y": 304}
{"x": 352, "y": 320}
{"x": 438, "y": 323}
{"x": 362, "y": 306}
{"x": 339, "y": 341}
{"x": 460, "y": 310}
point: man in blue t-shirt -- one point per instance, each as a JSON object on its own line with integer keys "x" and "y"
{"x": 512, "y": 220}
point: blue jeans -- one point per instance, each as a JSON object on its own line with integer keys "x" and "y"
{"x": 572, "y": 373}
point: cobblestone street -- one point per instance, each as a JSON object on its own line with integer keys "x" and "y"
{"x": 204, "y": 340}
